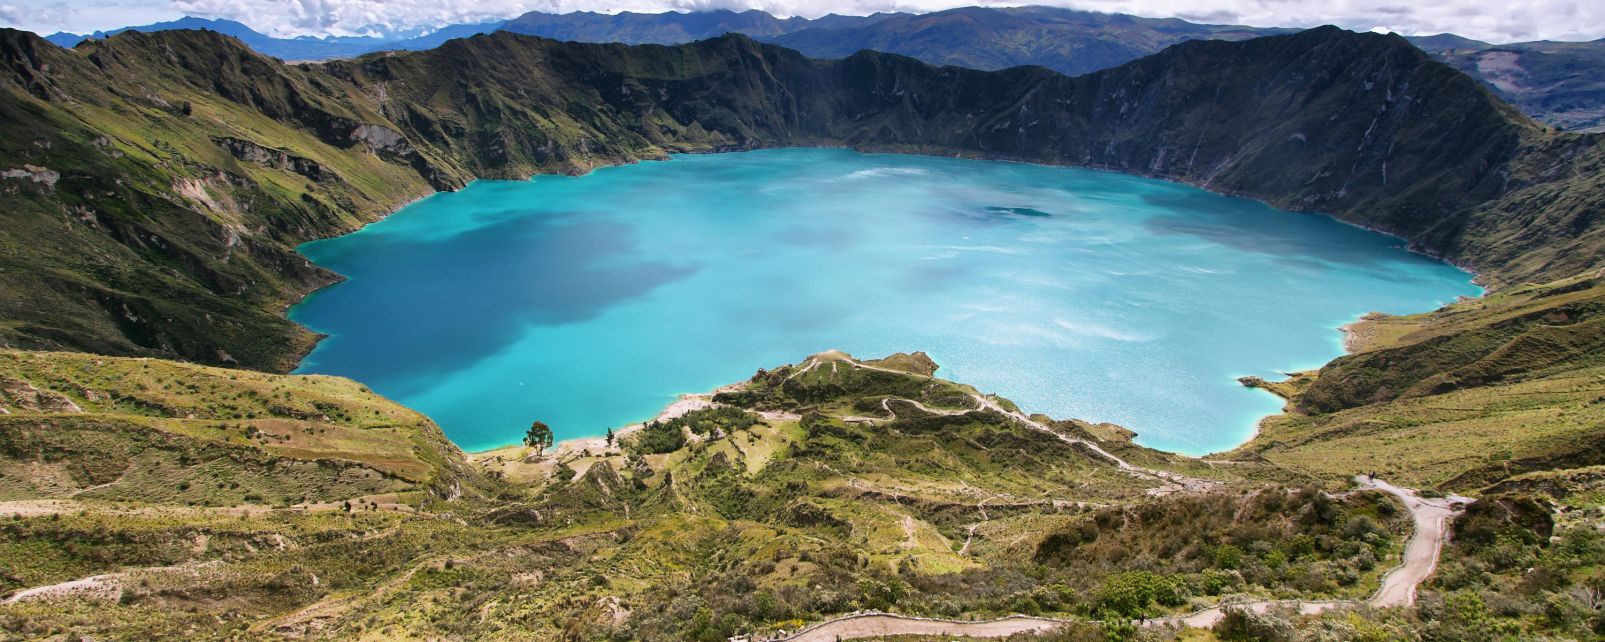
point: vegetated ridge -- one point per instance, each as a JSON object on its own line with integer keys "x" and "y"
{"x": 1476, "y": 393}
{"x": 811, "y": 490}
{"x": 162, "y": 180}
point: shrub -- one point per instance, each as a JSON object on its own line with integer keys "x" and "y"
{"x": 1228, "y": 556}
{"x": 655, "y": 439}
{"x": 1299, "y": 546}
{"x": 1217, "y": 582}
{"x": 1245, "y": 625}
{"x": 715, "y": 421}
{"x": 1130, "y": 594}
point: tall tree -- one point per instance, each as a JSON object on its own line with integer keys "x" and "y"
{"x": 539, "y": 437}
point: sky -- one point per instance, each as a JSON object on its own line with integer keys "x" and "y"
{"x": 1496, "y": 21}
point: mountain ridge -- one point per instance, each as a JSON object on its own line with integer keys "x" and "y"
{"x": 1561, "y": 83}
{"x": 157, "y": 185}
{"x": 1068, "y": 41}
{"x": 353, "y": 139}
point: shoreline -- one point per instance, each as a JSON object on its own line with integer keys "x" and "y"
{"x": 1356, "y": 333}
{"x": 1351, "y": 335}
{"x": 690, "y": 401}
{"x": 682, "y": 404}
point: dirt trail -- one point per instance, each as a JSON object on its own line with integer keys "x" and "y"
{"x": 1209, "y": 617}
{"x": 45, "y": 507}
{"x": 106, "y": 586}
{"x": 969, "y": 534}
{"x": 1431, "y": 517}
{"x": 314, "y": 616}
{"x": 880, "y": 624}
{"x": 1171, "y": 482}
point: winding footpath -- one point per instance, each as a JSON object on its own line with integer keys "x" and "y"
{"x": 1431, "y": 517}
{"x": 106, "y": 587}
{"x": 1170, "y": 482}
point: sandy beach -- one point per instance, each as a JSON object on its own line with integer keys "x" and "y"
{"x": 514, "y": 457}
{"x": 1360, "y": 332}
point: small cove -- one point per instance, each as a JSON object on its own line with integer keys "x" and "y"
{"x": 591, "y": 302}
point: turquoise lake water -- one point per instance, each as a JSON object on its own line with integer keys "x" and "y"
{"x": 590, "y": 302}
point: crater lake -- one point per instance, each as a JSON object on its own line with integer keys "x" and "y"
{"x": 591, "y": 302}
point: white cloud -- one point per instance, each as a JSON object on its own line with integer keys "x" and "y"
{"x": 82, "y": 16}
{"x": 1492, "y": 20}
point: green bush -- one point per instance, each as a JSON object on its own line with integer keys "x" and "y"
{"x": 1228, "y": 556}
{"x": 715, "y": 421}
{"x": 668, "y": 436}
{"x": 1242, "y": 624}
{"x": 655, "y": 439}
{"x": 1130, "y": 594}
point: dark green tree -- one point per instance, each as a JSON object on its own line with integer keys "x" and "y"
{"x": 610, "y": 438}
{"x": 539, "y": 437}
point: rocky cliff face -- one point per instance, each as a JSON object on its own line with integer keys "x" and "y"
{"x": 189, "y": 166}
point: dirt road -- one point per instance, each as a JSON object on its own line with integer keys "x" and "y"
{"x": 1431, "y": 517}
{"x": 879, "y": 624}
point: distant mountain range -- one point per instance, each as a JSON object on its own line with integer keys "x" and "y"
{"x": 1560, "y": 83}
{"x": 303, "y": 48}
{"x": 1070, "y": 42}
{"x": 675, "y": 28}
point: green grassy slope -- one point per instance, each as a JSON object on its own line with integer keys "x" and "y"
{"x": 848, "y": 488}
{"x": 1502, "y": 398}
{"x": 85, "y": 427}
{"x": 818, "y": 506}
{"x": 158, "y": 182}
{"x": 1458, "y": 398}
{"x": 157, "y": 239}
